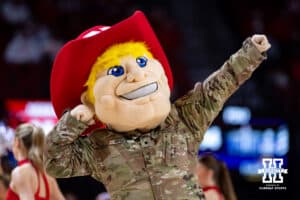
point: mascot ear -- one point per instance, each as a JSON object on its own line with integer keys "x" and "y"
{"x": 85, "y": 101}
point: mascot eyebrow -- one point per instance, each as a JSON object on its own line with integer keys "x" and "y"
{"x": 111, "y": 57}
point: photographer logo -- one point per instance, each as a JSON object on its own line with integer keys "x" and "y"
{"x": 272, "y": 173}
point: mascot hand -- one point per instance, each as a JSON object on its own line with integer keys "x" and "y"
{"x": 84, "y": 114}
{"x": 261, "y": 42}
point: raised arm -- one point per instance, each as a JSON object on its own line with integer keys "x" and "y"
{"x": 202, "y": 104}
{"x": 66, "y": 153}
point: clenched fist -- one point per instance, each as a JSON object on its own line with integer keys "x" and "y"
{"x": 84, "y": 114}
{"x": 261, "y": 42}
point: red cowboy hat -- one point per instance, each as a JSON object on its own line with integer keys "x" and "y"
{"x": 74, "y": 61}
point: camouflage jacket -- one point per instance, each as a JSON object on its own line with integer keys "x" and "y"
{"x": 158, "y": 164}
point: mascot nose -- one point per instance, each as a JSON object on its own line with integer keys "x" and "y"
{"x": 136, "y": 75}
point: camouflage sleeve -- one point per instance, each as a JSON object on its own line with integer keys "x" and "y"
{"x": 66, "y": 153}
{"x": 201, "y": 105}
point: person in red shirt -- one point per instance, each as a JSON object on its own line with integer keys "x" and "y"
{"x": 28, "y": 179}
{"x": 214, "y": 178}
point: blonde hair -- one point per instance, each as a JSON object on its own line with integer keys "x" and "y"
{"x": 33, "y": 139}
{"x": 111, "y": 57}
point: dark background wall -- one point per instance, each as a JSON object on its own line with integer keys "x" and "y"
{"x": 198, "y": 36}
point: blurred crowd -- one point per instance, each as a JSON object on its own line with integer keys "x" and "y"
{"x": 279, "y": 78}
{"x": 33, "y": 32}
{"x": 36, "y": 30}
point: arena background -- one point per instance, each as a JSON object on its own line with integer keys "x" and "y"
{"x": 198, "y": 36}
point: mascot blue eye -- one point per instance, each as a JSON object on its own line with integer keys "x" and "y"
{"x": 116, "y": 71}
{"x": 142, "y": 61}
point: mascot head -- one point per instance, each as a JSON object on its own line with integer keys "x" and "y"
{"x": 119, "y": 72}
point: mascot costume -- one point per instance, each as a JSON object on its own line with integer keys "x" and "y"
{"x": 111, "y": 87}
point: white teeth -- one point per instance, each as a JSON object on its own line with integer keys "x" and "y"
{"x": 140, "y": 92}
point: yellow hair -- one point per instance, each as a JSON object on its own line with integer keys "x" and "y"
{"x": 111, "y": 57}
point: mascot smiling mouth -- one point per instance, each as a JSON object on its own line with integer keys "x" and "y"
{"x": 141, "y": 92}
